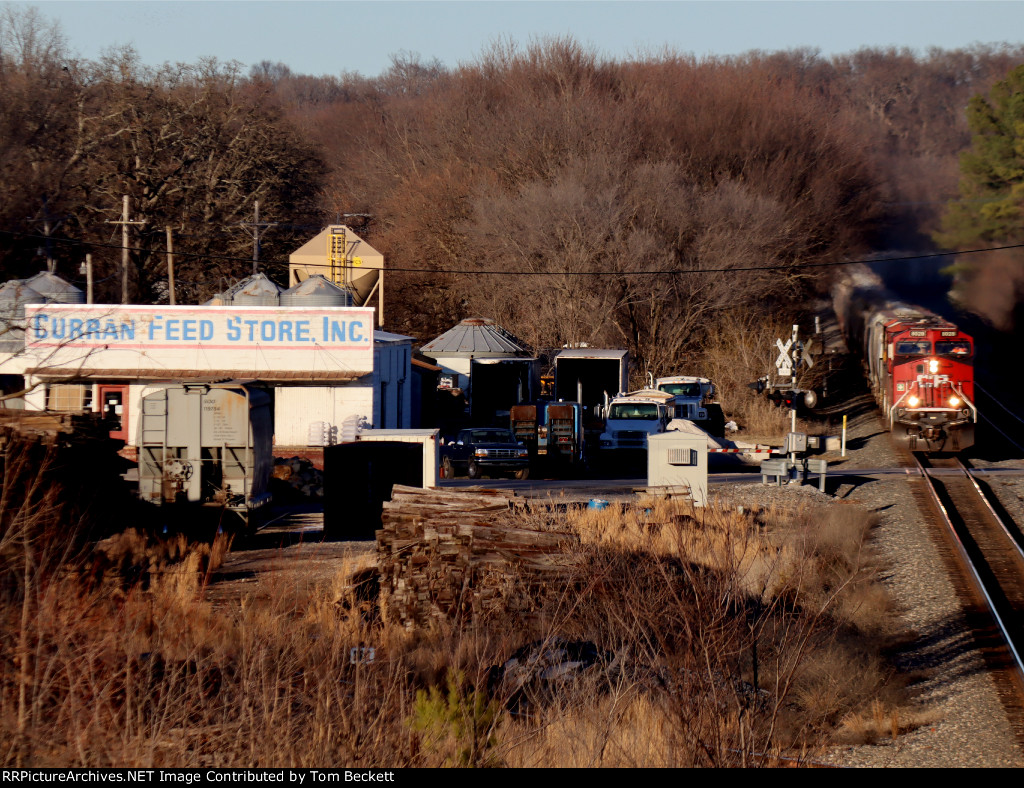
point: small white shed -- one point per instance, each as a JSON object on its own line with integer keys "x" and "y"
{"x": 428, "y": 439}
{"x": 679, "y": 458}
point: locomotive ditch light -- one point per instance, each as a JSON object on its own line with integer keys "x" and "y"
{"x": 913, "y": 401}
{"x": 954, "y": 402}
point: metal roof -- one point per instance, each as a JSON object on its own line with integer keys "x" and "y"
{"x": 474, "y": 336}
{"x": 17, "y": 291}
{"x": 256, "y": 285}
{"x": 591, "y": 352}
{"x": 52, "y": 286}
{"x": 386, "y": 336}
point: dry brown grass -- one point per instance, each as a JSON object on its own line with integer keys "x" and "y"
{"x": 725, "y": 635}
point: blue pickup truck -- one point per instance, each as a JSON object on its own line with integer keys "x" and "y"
{"x": 485, "y": 451}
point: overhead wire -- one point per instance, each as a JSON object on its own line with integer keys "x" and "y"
{"x": 480, "y": 272}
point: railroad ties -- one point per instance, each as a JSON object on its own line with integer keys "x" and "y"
{"x": 447, "y": 555}
{"x": 993, "y": 571}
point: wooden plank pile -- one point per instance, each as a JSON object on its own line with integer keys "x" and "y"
{"x": 459, "y": 556}
{"x": 48, "y": 425}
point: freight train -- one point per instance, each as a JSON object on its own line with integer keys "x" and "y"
{"x": 920, "y": 366}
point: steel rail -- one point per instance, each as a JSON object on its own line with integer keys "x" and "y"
{"x": 991, "y": 509}
{"x": 965, "y": 556}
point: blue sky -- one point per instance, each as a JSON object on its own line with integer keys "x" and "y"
{"x": 332, "y": 36}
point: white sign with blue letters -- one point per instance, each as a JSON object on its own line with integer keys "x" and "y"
{"x": 204, "y": 339}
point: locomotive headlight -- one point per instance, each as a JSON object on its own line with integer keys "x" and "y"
{"x": 933, "y": 365}
{"x": 913, "y": 401}
{"x": 954, "y": 402}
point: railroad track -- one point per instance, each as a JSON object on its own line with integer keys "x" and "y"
{"x": 988, "y": 547}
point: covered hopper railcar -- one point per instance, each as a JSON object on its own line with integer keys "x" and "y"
{"x": 921, "y": 370}
{"x": 207, "y": 445}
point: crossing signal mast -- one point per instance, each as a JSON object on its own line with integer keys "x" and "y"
{"x": 793, "y": 353}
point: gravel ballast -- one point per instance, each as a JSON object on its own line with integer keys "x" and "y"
{"x": 967, "y": 725}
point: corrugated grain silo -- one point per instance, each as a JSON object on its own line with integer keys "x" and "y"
{"x": 14, "y": 295}
{"x": 255, "y": 290}
{"x": 481, "y": 356}
{"x": 317, "y": 290}
{"x": 55, "y": 289}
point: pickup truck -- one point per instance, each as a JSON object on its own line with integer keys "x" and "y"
{"x": 485, "y": 450}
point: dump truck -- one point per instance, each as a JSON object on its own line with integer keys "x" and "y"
{"x": 692, "y": 399}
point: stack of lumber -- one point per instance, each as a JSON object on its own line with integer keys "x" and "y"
{"x": 48, "y": 426}
{"x": 458, "y": 555}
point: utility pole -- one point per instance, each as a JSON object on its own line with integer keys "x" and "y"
{"x": 124, "y": 246}
{"x": 257, "y": 232}
{"x": 50, "y": 223}
{"x": 88, "y": 279}
{"x": 170, "y": 263}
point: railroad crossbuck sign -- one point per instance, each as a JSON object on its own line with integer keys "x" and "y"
{"x": 784, "y": 364}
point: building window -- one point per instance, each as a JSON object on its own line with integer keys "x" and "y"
{"x": 69, "y": 398}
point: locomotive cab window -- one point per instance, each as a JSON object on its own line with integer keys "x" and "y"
{"x": 913, "y": 347}
{"x": 958, "y": 348}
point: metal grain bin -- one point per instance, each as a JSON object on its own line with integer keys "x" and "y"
{"x": 55, "y": 288}
{"x": 14, "y": 295}
{"x": 256, "y": 290}
{"x": 316, "y": 290}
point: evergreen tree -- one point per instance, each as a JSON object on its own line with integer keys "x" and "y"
{"x": 991, "y": 208}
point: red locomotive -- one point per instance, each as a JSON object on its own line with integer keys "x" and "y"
{"x": 921, "y": 369}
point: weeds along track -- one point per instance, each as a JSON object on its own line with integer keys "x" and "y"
{"x": 986, "y": 549}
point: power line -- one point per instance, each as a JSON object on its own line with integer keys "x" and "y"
{"x": 471, "y": 272}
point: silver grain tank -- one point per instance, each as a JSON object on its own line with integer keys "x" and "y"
{"x": 316, "y": 290}
{"x": 55, "y": 289}
{"x": 206, "y": 444}
{"x": 14, "y": 295}
{"x": 256, "y": 290}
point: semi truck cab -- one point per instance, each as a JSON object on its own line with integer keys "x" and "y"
{"x": 631, "y": 418}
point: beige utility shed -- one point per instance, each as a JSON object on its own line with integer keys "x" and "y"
{"x": 679, "y": 458}
{"x": 344, "y": 258}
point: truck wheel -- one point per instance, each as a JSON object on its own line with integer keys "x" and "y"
{"x": 474, "y": 470}
{"x": 447, "y": 471}
{"x": 523, "y": 473}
